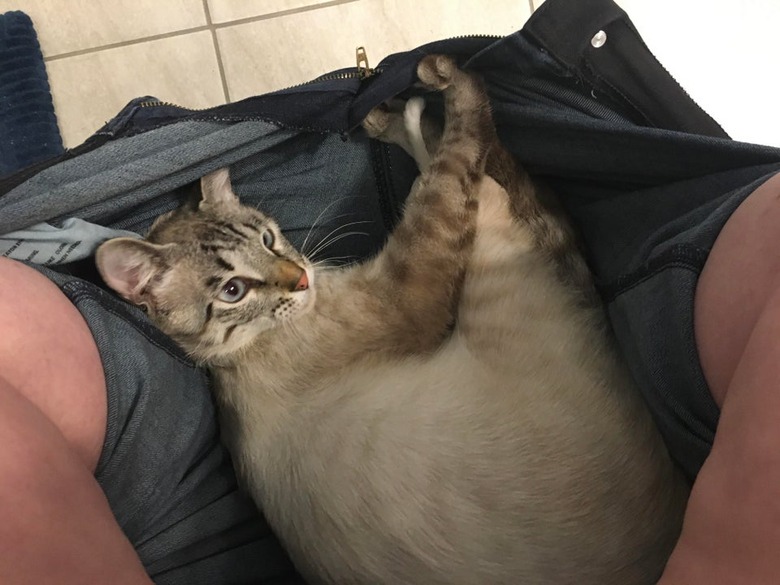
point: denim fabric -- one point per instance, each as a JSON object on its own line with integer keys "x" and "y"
{"x": 113, "y": 182}
{"x": 658, "y": 241}
{"x": 648, "y": 178}
{"x": 168, "y": 479}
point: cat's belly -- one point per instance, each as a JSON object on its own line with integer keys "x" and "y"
{"x": 502, "y": 476}
{"x": 517, "y": 454}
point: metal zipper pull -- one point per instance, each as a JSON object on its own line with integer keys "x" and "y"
{"x": 362, "y": 63}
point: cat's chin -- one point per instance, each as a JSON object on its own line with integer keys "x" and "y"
{"x": 307, "y": 303}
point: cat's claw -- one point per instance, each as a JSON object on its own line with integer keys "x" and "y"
{"x": 437, "y": 71}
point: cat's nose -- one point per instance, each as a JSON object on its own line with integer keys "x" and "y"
{"x": 290, "y": 276}
{"x": 303, "y": 282}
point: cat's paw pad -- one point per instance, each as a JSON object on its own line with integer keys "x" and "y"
{"x": 437, "y": 71}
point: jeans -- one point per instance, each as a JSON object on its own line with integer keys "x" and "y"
{"x": 648, "y": 178}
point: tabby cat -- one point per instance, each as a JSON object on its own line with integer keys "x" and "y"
{"x": 448, "y": 412}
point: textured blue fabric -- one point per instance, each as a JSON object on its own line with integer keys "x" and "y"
{"x": 168, "y": 479}
{"x": 28, "y": 126}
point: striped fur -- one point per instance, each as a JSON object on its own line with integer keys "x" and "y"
{"x": 450, "y": 412}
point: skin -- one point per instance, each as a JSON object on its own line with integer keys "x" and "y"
{"x": 731, "y": 532}
{"x": 56, "y": 520}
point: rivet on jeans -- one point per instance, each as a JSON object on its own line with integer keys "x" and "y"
{"x": 599, "y": 39}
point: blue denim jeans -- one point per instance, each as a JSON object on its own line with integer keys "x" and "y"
{"x": 648, "y": 178}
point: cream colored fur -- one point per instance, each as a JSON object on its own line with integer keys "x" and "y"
{"x": 385, "y": 448}
{"x": 519, "y": 453}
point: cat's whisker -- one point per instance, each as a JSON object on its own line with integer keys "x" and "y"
{"x": 339, "y": 227}
{"x": 311, "y": 229}
{"x": 326, "y": 242}
{"x": 316, "y": 221}
{"x": 324, "y": 245}
{"x": 319, "y": 217}
{"x": 335, "y": 231}
{"x": 340, "y": 237}
{"x": 325, "y": 263}
{"x": 350, "y": 257}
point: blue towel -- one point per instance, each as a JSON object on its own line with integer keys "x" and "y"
{"x": 28, "y": 126}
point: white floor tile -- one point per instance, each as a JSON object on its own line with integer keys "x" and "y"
{"x": 73, "y": 25}
{"x": 89, "y": 89}
{"x": 270, "y": 54}
{"x": 230, "y": 10}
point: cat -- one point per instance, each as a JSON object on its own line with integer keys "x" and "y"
{"x": 451, "y": 411}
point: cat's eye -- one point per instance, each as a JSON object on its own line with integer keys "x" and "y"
{"x": 233, "y": 291}
{"x": 268, "y": 239}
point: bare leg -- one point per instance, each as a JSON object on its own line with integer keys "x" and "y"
{"x": 742, "y": 272}
{"x": 732, "y": 526}
{"x": 56, "y": 524}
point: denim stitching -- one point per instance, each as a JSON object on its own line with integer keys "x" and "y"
{"x": 77, "y": 291}
{"x": 679, "y": 256}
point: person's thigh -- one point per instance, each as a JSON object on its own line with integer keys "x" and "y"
{"x": 741, "y": 273}
{"x": 56, "y": 524}
{"x": 48, "y": 354}
{"x": 139, "y": 419}
{"x": 732, "y": 526}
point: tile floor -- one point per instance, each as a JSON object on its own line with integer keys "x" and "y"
{"x": 198, "y": 53}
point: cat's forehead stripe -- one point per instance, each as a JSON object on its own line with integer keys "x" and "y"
{"x": 213, "y": 247}
{"x": 251, "y": 226}
{"x": 223, "y": 235}
{"x": 229, "y": 231}
{"x": 224, "y": 263}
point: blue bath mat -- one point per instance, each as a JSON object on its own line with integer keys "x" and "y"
{"x": 28, "y": 126}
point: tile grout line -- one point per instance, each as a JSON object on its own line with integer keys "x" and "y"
{"x": 279, "y": 13}
{"x": 220, "y": 64}
{"x": 210, "y": 27}
{"x": 128, "y": 43}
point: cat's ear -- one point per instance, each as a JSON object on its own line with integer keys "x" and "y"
{"x": 216, "y": 190}
{"x": 127, "y": 265}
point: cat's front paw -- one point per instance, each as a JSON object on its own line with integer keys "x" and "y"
{"x": 386, "y": 122}
{"x": 437, "y": 71}
{"x": 378, "y": 121}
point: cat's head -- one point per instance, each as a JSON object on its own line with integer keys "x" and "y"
{"x": 212, "y": 275}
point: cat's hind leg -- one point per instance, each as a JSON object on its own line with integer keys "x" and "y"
{"x": 537, "y": 209}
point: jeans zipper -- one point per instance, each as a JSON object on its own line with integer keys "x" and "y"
{"x": 362, "y": 71}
